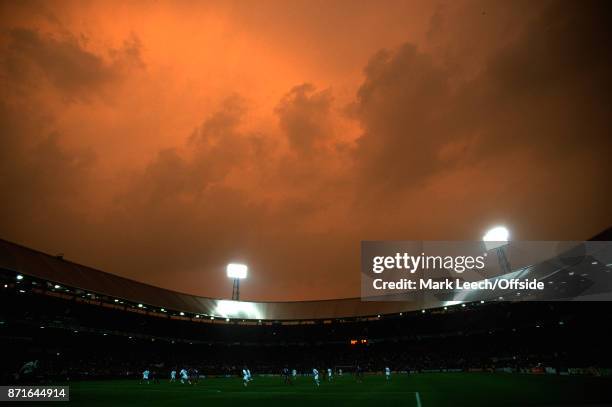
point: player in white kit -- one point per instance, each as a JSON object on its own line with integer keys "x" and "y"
{"x": 294, "y": 374}
{"x": 330, "y": 374}
{"x": 315, "y": 376}
{"x": 145, "y": 376}
{"x": 172, "y": 376}
{"x": 245, "y": 377}
{"x": 184, "y": 376}
{"x": 387, "y": 373}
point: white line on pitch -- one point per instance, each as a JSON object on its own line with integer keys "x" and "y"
{"x": 418, "y": 399}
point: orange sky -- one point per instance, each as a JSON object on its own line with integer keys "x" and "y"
{"x": 160, "y": 140}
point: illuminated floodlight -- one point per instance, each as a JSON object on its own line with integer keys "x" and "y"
{"x": 19, "y": 277}
{"x": 235, "y": 270}
{"x": 56, "y": 286}
{"x": 496, "y": 237}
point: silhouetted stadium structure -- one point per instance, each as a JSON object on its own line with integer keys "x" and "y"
{"x": 83, "y": 323}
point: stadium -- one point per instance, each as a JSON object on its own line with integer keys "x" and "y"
{"x": 99, "y": 332}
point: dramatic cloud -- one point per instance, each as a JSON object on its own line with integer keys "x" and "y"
{"x": 64, "y": 62}
{"x": 161, "y": 148}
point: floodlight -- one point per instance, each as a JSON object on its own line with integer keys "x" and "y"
{"x": 19, "y": 277}
{"x": 496, "y": 237}
{"x": 497, "y": 234}
{"x": 235, "y": 270}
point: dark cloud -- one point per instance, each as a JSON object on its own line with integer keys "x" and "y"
{"x": 47, "y": 181}
{"x": 546, "y": 92}
{"x": 402, "y": 105}
{"x": 304, "y": 117}
{"x": 64, "y": 62}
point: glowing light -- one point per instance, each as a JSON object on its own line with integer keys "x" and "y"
{"x": 235, "y": 270}
{"x": 496, "y": 237}
{"x": 237, "y": 309}
{"x": 19, "y": 277}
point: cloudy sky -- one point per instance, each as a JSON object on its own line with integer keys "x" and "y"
{"x": 160, "y": 140}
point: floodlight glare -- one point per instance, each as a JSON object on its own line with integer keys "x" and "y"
{"x": 235, "y": 270}
{"x": 497, "y": 234}
{"x": 237, "y": 309}
{"x": 496, "y": 237}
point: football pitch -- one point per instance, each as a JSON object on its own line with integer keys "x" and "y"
{"x": 419, "y": 390}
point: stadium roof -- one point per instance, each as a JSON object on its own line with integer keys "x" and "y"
{"x": 26, "y": 261}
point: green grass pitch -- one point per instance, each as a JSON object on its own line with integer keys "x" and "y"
{"x": 425, "y": 390}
